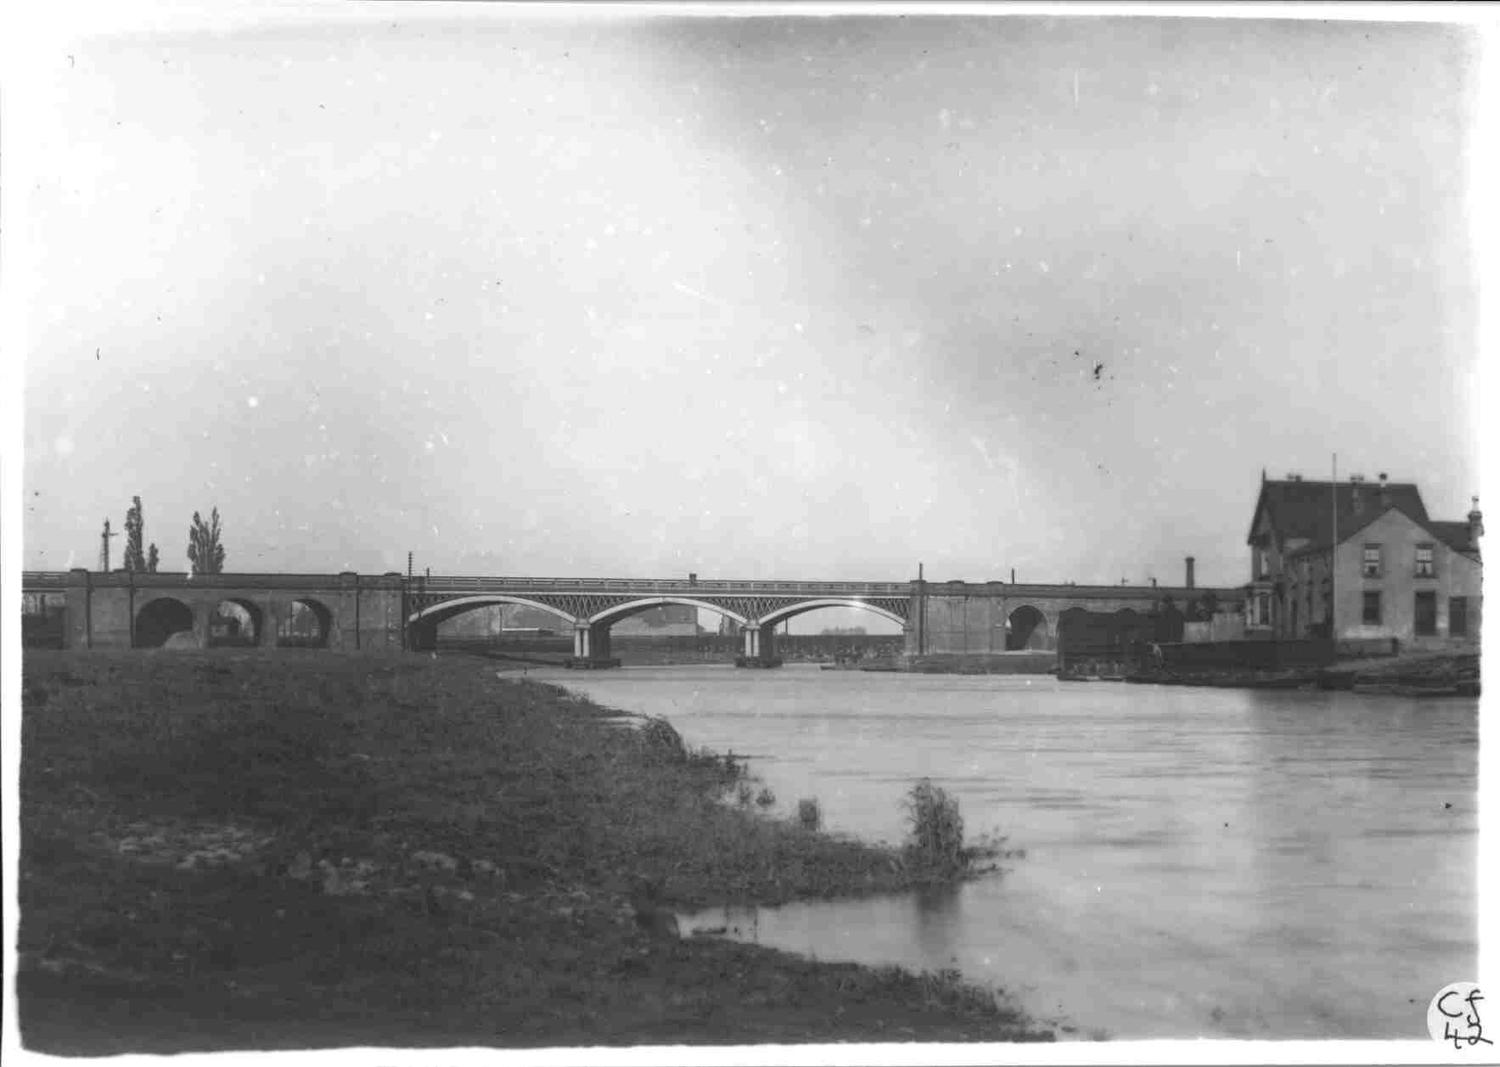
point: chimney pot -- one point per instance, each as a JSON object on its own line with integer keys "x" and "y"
{"x": 1190, "y": 572}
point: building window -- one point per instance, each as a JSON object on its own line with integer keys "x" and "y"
{"x": 1371, "y": 567}
{"x": 1458, "y": 616}
{"x": 1424, "y": 561}
{"x": 1372, "y": 608}
{"x": 1425, "y": 612}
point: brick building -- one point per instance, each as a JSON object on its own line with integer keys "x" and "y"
{"x": 1355, "y": 560}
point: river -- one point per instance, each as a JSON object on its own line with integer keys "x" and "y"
{"x": 1198, "y": 862}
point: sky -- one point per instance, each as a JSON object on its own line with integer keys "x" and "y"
{"x": 640, "y": 294}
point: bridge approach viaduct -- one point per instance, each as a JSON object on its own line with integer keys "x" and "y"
{"x": 390, "y": 612}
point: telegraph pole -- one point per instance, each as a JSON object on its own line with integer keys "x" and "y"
{"x": 104, "y": 547}
{"x": 1333, "y": 558}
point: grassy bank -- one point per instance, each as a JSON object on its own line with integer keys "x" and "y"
{"x": 233, "y": 850}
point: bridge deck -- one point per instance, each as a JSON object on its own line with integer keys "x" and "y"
{"x": 45, "y": 580}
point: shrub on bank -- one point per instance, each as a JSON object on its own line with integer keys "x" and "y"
{"x": 936, "y": 843}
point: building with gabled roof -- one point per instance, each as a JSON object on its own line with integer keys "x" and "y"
{"x": 1354, "y": 560}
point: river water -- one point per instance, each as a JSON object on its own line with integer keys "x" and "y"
{"x": 1198, "y": 862}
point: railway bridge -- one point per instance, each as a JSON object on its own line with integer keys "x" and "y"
{"x": 348, "y": 611}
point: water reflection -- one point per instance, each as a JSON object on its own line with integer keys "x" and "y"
{"x": 893, "y": 929}
{"x": 1214, "y": 862}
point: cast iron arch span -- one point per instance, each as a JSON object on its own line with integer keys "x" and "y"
{"x": 159, "y": 619}
{"x": 771, "y": 618}
{"x": 447, "y": 609}
{"x": 614, "y": 614}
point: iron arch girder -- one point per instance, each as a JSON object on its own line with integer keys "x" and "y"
{"x": 580, "y": 609}
{"x": 732, "y": 607}
{"x": 896, "y": 609}
{"x": 437, "y": 609}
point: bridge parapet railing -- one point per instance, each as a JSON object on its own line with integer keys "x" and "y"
{"x": 179, "y": 580}
{"x": 38, "y": 580}
{"x": 658, "y": 586}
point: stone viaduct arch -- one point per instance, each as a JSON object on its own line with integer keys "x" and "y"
{"x": 1027, "y": 628}
{"x": 123, "y": 610}
{"x": 158, "y": 619}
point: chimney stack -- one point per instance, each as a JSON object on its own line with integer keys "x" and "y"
{"x": 1385, "y": 493}
{"x": 1190, "y": 572}
{"x": 1476, "y": 523}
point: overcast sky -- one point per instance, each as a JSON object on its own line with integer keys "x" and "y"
{"x": 806, "y": 298}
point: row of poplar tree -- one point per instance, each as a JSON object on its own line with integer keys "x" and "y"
{"x": 205, "y": 552}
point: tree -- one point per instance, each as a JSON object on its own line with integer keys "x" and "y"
{"x": 135, "y": 558}
{"x": 205, "y": 553}
{"x": 152, "y": 558}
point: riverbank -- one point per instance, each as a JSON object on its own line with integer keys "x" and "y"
{"x": 1026, "y": 662}
{"x": 1412, "y": 674}
{"x": 232, "y": 850}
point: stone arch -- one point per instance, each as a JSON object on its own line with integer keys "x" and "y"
{"x": 1026, "y": 628}
{"x": 306, "y": 624}
{"x": 158, "y": 619}
{"x": 236, "y": 621}
{"x": 780, "y": 615}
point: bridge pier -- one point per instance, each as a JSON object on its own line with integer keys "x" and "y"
{"x": 591, "y": 647}
{"x": 422, "y": 637}
{"x": 759, "y": 647}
